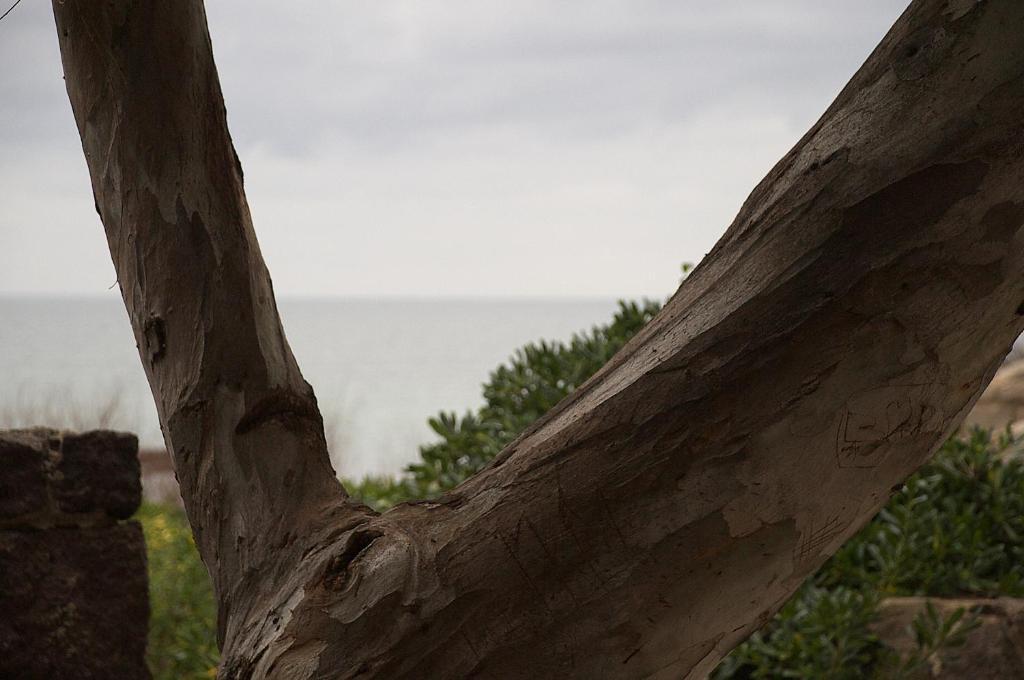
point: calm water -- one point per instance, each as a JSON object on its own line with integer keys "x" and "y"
{"x": 379, "y": 367}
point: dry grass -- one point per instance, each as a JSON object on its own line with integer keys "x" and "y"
{"x": 63, "y": 410}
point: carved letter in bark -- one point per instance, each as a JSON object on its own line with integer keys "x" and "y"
{"x": 833, "y": 338}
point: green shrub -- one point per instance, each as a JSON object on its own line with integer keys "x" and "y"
{"x": 824, "y": 634}
{"x": 819, "y": 633}
{"x": 182, "y": 620}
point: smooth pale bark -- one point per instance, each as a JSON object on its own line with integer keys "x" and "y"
{"x": 834, "y": 337}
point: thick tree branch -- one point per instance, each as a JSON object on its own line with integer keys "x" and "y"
{"x": 242, "y": 424}
{"x": 834, "y": 337}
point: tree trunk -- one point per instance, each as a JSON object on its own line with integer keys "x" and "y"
{"x": 834, "y": 337}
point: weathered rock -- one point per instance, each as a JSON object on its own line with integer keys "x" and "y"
{"x": 992, "y": 651}
{"x": 99, "y": 471}
{"x": 73, "y": 590}
{"x": 23, "y": 482}
{"x": 73, "y": 603}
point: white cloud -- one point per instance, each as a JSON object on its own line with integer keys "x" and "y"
{"x": 471, "y": 147}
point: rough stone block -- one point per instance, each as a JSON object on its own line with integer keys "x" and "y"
{"x": 99, "y": 470}
{"x": 23, "y": 455}
{"x": 73, "y": 603}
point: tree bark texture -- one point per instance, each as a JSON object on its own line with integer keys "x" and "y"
{"x": 833, "y": 338}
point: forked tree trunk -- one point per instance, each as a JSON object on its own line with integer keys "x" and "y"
{"x": 834, "y": 337}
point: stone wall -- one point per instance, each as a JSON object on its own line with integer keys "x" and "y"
{"x": 73, "y": 590}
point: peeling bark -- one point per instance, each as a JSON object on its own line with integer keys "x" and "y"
{"x": 835, "y": 336}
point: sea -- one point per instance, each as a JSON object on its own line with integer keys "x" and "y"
{"x": 379, "y": 367}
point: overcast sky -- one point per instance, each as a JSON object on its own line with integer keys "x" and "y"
{"x": 458, "y": 148}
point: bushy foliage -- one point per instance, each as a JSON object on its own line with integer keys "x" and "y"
{"x": 182, "y": 620}
{"x": 819, "y": 633}
{"x": 825, "y": 633}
